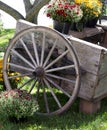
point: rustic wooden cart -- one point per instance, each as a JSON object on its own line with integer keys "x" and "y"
{"x": 56, "y": 68}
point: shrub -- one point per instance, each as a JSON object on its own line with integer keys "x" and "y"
{"x": 17, "y": 103}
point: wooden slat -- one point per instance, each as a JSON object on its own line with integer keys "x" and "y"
{"x": 88, "y": 54}
{"x": 87, "y": 32}
{"x": 22, "y": 24}
{"x": 102, "y": 81}
{"x": 87, "y": 87}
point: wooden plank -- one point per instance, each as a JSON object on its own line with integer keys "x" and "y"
{"x": 22, "y": 24}
{"x": 101, "y": 88}
{"x": 87, "y": 32}
{"x": 88, "y": 54}
{"x": 87, "y": 87}
{"x": 93, "y": 59}
{"x": 89, "y": 107}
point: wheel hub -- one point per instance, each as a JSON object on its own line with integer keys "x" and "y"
{"x": 39, "y": 72}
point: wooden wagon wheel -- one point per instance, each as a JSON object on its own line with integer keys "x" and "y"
{"x": 47, "y": 65}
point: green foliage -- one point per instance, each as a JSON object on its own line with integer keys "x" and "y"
{"x": 71, "y": 120}
{"x": 17, "y": 103}
{"x": 5, "y": 36}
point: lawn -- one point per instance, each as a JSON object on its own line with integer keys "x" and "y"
{"x": 5, "y": 36}
{"x": 71, "y": 120}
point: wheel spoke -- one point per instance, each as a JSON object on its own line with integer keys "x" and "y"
{"x": 22, "y": 58}
{"x": 33, "y": 85}
{"x": 50, "y": 53}
{"x": 28, "y": 52}
{"x": 57, "y": 59}
{"x": 37, "y": 92}
{"x": 35, "y": 48}
{"x": 20, "y": 67}
{"x": 60, "y": 68}
{"x": 62, "y": 78}
{"x": 43, "y": 49}
{"x": 45, "y": 98}
{"x": 19, "y": 75}
{"x": 58, "y": 87}
{"x": 26, "y": 82}
{"x": 53, "y": 94}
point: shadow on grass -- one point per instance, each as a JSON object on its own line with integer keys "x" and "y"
{"x": 71, "y": 119}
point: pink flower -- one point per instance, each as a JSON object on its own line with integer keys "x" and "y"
{"x": 49, "y": 6}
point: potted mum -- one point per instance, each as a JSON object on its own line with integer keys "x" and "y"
{"x": 92, "y": 10}
{"x": 17, "y": 104}
{"x": 64, "y": 13}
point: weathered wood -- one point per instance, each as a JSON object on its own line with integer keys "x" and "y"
{"x": 93, "y": 59}
{"x": 87, "y": 32}
{"x": 87, "y": 86}
{"x": 22, "y": 24}
{"x": 89, "y": 107}
{"x": 89, "y": 54}
{"x": 101, "y": 88}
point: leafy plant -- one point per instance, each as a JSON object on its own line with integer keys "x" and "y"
{"x": 5, "y": 36}
{"x": 17, "y": 103}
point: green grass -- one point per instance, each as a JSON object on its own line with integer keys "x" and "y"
{"x": 5, "y": 36}
{"x": 71, "y": 120}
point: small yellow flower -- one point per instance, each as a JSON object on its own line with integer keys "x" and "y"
{"x": 91, "y": 8}
{"x": 1, "y": 65}
{"x": 78, "y": 1}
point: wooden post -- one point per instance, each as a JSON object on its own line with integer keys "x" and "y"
{"x": 89, "y": 107}
{"x": 104, "y": 44}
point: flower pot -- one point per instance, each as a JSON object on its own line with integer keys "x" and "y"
{"x": 92, "y": 23}
{"x": 79, "y": 26}
{"x": 62, "y": 27}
